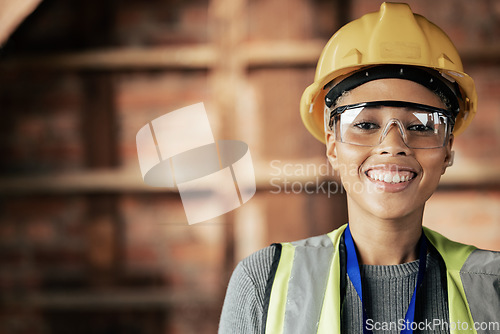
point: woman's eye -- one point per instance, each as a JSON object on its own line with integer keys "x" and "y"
{"x": 366, "y": 126}
{"x": 420, "y": 128}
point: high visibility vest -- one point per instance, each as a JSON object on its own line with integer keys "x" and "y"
{"x": 305, "y": 292}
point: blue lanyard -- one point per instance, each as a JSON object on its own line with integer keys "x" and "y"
{"x": 355, "y": 277}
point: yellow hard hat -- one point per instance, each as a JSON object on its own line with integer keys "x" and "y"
{"x": 394, "y": 35}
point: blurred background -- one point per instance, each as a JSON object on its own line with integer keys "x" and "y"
{"x": 86, "y": 247}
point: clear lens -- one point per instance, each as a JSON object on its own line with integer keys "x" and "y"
{"x": 368, "y": 125}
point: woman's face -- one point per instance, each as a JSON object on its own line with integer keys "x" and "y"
{"x": 390, "y": 180}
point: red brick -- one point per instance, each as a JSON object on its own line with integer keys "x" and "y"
{"x": 41, "y": 232}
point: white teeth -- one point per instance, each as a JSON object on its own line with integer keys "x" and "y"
{"x": 389, "y": 177}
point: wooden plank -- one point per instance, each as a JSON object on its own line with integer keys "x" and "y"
{"x": 130, "y": 181}
{"x": 178, "y": 57}
{"x": 102, "y": 300}
{"x": 281, "y": 53}
{"x": 228, "y": 24}
{"x": 84, "y": 182}
{"x": 200, "y": 56}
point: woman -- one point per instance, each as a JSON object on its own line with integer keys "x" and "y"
{"x": 388, "y": 98}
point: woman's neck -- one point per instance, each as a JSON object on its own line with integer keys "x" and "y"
{"x": 386, "y": 241}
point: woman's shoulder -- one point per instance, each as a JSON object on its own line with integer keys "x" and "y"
{"x": 245, "y": 297}
{"x": 257, "y": 265}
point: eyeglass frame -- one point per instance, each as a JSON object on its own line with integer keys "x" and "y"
{"x": 398, "y": 104}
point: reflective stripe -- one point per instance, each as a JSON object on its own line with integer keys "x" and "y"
{"x": 277, "y": 301}
{"x": 329, "y": 321}
{"x": 454, "y": 256}
{"x": 298, "y": 301}
{"x": 307, "y": 284}
{"x": 481, "y": 279}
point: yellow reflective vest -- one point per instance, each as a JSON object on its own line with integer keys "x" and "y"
{"x": 305, "y": 291}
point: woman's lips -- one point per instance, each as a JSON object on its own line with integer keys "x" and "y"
{"x": 392, "y": 178}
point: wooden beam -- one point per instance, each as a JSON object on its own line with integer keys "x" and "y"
{"x": 130, "y": 181}
{"x": 228, "y": 23}
{"x": 281, "y": 53}
{"x": 104, "y": 300}
{"x": 200, "y": 56}
{"x": 189, "y": 57}
{"x": 89, "y": 181}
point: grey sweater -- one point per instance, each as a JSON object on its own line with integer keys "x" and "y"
{"x": 387, "y": 291}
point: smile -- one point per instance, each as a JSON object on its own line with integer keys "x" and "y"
{"x": 388, "y": 176}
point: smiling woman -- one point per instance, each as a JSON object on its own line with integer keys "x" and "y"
{"x": 391, "y": 158}
{"x": 389, "y": 96}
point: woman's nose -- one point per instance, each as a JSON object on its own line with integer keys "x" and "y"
{"x": 392, "y": 140}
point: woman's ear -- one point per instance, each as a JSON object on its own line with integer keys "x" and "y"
{"x": 331, "y": 149}
{"x": 448, "y": 159}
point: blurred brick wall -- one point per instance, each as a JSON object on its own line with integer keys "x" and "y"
{"x": 40, "y": 128}
{"x": 125, "y": 261}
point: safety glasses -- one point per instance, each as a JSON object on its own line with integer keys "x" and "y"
{"x": 368, "y": 123}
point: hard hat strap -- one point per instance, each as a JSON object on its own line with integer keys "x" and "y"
{"x": 413, "y": 73}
